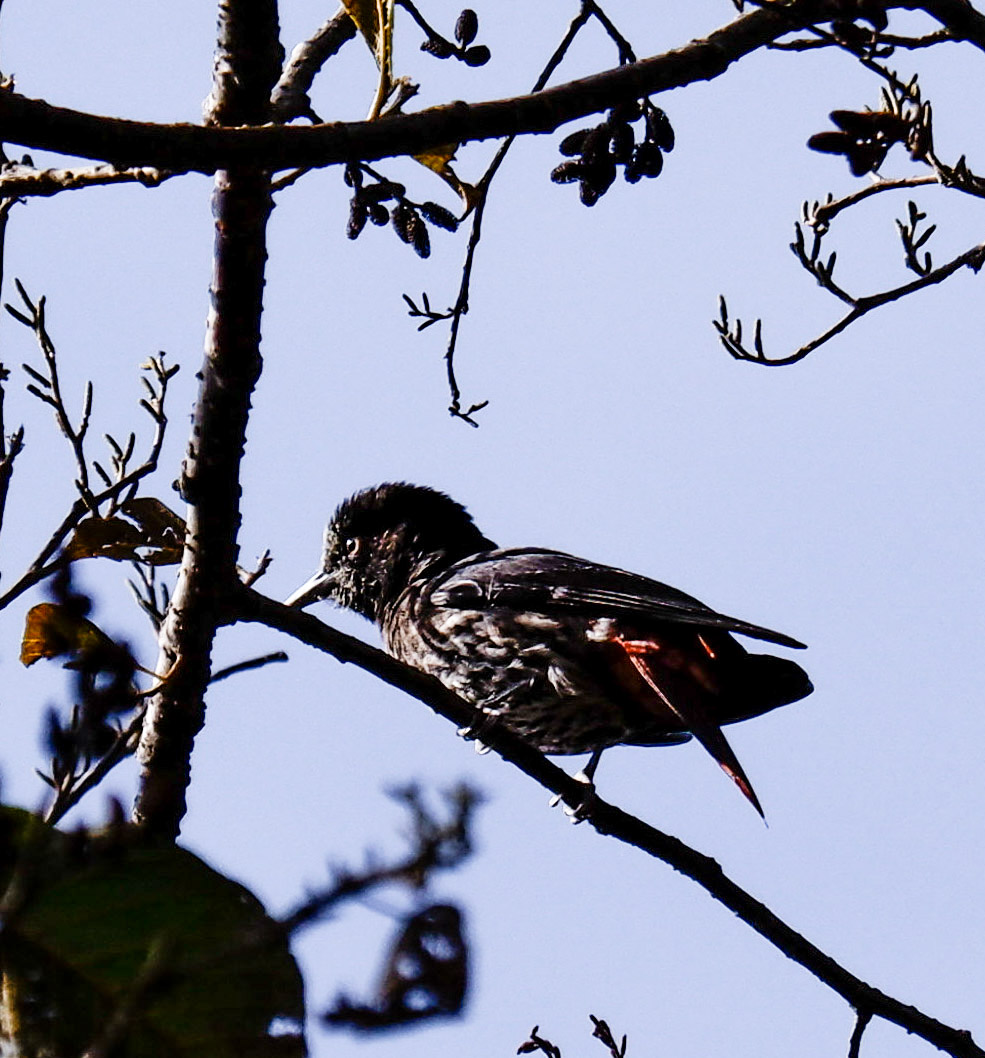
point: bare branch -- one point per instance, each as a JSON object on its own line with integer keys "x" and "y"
{"x": 74, "y": 787}
{"x": 27, "y": 182}
{"x": 247, "y": 65}
{"x": 862, "y": 1019}
{"x": 731, "y": 336}
{"x": 818, "y": 215}
{"x": 43, "y": 565}
{"x": 247, "y": 666}
{"x": 461, "y": 306}
{"x": 289, "y": 98}
{"x": 607, "y": 819}
{"x": 184, "y": 147}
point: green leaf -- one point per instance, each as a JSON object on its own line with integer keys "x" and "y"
{"x": 100, "y": 927}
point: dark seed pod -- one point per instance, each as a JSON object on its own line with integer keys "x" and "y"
{"x": 420, "y": 239}
{"x": 852, "y": 36}
{"x": 358, "y": 215}
{"x": 919, "y": 142}
{"x": 601, "y": 174}
{"x": 625, "y": 112}
{"x": 438, "y": 47}
{"x": 647, "y": 161}
{"x": 382, "y": 191}
{"x": 831, "y": 142}
{"x": 477, "y": 56}
{"x": 573, "y": 143}
{"x": 589, "y": 194}
{"x": 443, "y": 218}
{"x": 568, "y": 172}
{"x": 621, "y": 143}
{"x": 466, "y": 27}
{"x": 379, "y": 214}
{"x": 596, "y": 144}
{"x": 403, "y": 218}
{"x": 659, "y": 129}
{"x": 874, "y": 12}
{"x": 866, "y": 158}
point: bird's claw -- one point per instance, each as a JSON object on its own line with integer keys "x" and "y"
{"x": 579, "y": 812}
{"x": 474, "y": 731}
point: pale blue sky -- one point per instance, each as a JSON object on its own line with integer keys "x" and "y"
{"x": 838, "y": 500}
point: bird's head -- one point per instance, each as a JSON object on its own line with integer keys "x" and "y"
{"x": 382, "y": 537}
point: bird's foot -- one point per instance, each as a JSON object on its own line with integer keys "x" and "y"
{"x": 474, "y": 731}
{"x": 579, "y": 812}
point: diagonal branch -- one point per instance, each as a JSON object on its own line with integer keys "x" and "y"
{"x": 289, "y": 98}
{"x": 609, "y": 820}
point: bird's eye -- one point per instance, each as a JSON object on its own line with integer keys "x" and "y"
{"x": 351, "y": 545}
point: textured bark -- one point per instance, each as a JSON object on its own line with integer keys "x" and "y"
{"x": 194, "y": 148}
{"x": 246, "y": 67}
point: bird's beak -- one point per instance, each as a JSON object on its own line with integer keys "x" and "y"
{"x": 311, "y": 591}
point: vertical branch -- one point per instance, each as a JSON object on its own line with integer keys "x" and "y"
{"x": 247, "y": 65}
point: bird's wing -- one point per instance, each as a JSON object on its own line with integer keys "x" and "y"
{"x": 551, "y": 582}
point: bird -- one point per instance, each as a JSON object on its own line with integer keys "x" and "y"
{"x": 570, "y": 655}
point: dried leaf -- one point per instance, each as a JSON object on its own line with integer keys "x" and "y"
{"x": 104, "y": 538}
{"x": 155, "y": 518}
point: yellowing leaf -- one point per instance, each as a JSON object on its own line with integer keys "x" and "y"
{"x": 51, "y": 630}
{"x": 437, "y": 158}
{"x": 366, "y": 15}
{"x": 374, "y": 20}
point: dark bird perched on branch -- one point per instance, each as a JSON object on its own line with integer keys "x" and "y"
{"x": 570, "y": 655}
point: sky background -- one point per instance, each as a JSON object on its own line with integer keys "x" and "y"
{"x": 838, "y": 500}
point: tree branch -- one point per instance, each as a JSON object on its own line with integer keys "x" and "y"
{"x": 183, "y": 147}
{"x": 247, "y": 64}
{"x": 289, "y": 98}
{"x": 731, "y": 335}
{"x": 25, "y": 181}
{"x": 607, "y": 819}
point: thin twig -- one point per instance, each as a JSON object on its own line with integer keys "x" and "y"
{"x": 42, "y": 566}
{"x": 246, "y": 666}
{"x": 48, "y": 390}
{"x": 822, "y": 213}
{"x": 862, "y": 1019}
{"x": 76, "y": 787}
{"x": 461, "y": 306}
{"x": 973, "y": 259}
{"x": 12, "y": 447}
{"x": 288, "y": 179}
{"x": 888, "y": 40}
